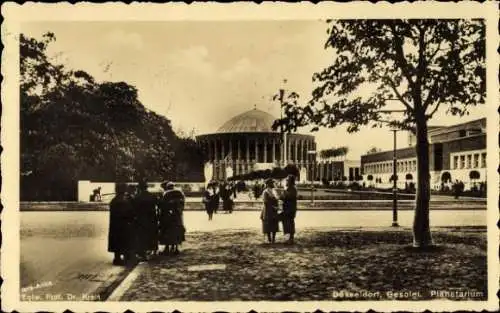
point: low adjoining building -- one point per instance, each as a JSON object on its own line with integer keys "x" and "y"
{"x": 456, "y": 153}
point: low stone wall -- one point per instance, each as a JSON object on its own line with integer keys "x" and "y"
{"x": 254, "y": 206}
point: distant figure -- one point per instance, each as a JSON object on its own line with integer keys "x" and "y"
{"x": 121, "y": 227}
{"x": 209, "y": 199}
{"x": 257, "y": 190}
{"x": 217, "y": 197}
{"x": 97, "y": 194}
{"x": 234, "y": 190}
{"x": 461, "y": 188}
{"x": 269, "y": 214}
{"x": 145, "y": 206}
{"x": 458, "y": 188}
{"x": 226, "y": 196}
{"x": 172, "y": 230}
{"x": 289, "y": 198}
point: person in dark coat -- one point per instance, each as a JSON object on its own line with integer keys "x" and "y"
{"x": 172, "y": 230}
{"x": 121, "y": 227}
{"x": 209, "y": 199}
{"x": 233, "y": 190}
{"x": 216, "y": 197}
{"x": 269, "y": 214}
{"x": 289, "y": 198}
{"x": 225, "y": 194}
{"x": 145, "y": 206}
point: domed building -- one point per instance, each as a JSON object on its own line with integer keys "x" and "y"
{"x": 247, "y": 142}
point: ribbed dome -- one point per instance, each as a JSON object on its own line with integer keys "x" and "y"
{"x": 251, "y": 121}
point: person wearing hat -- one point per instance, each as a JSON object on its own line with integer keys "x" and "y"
{"x": 121, "y": 227}
{"x": 172, "y": 230}
{"x": 289, "y": 198}
{"x": 226, "y": 194}
{"x": 209, "y": 199}
{"x": 216, "y": 186}
{"x": 145, "y": 206}
{"x": 269, "y": 213}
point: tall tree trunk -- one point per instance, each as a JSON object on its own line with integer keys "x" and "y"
{"x": 421, "y": 228}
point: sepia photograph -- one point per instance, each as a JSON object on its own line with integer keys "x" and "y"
{"x": 329, "y": 160}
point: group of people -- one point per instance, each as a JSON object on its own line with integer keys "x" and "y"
{"x": 271, "y": 214}
{"x": 140, "y": 222}
{"x": 458, "y": 188}
{"x": 216, "y": 192}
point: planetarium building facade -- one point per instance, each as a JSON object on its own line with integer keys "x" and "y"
{"x": 247, "y": 142}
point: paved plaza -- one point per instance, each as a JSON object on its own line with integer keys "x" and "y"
{"x": 67, "y": 251}
{"x": 333, "y": 264}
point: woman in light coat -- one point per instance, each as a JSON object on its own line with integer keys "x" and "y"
{"x": 269, "y": 214}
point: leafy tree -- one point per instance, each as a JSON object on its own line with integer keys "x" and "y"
{"x": 292, "y": 169}
{"x": 373, "y": 150}
{"x": 333, "y": 152}
{"x": 278, "y": 173}
{"x": 75, "y": 128}
{"x": 423, "y": 64}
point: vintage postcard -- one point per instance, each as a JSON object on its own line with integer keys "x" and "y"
{"x": 230, "y": 157}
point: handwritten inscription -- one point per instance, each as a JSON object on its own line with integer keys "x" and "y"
{"x": 37, "y": 286}
{"x": 95, "y": 277}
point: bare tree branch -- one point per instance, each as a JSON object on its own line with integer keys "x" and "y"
{"x": 394, "y": 88}
{"x": 432, "y": 91}
{"x": 433, "y": 55}
{"x": 428, "y": 116}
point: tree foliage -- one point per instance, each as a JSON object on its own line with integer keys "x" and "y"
{"x": 373, "y": 150}
{"x": 422, "y": 64}
{"x": 333, "y": 152}
{"x": 75, "y": 128}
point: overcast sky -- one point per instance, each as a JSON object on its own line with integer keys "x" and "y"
{"x": 200, "y": 74}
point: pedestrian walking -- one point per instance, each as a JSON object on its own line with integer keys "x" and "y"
{"x": 121, "y": 227}
{"x": 145, "y": 206}
{"x": 172, "y": 230}
{"x": 289, "y": 198}
{"x": 209, "y": 199}
{"x": 269, "y": 213}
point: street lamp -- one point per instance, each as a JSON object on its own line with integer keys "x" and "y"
{"x": 312, "y": 152}
{"x": 281, "y": 96}
{"x": 394, "y": 172}
{"x": 395, "y": 185}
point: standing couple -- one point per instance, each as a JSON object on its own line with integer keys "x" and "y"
{"x": 270, "y": 214}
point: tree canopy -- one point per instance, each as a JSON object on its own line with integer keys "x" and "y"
{"x": 333, "y": 152}
{"x": 75, "y": 128}
{"x": 373, "y": 150}
{"x": 423, "y": 64}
